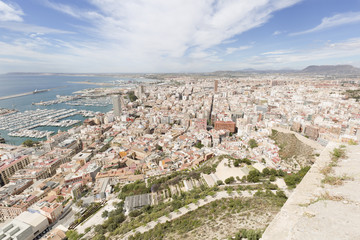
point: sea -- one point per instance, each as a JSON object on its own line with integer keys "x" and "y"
{"x": 11, "y": 84}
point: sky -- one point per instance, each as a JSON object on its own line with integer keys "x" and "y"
{"x": 154, "y": 36}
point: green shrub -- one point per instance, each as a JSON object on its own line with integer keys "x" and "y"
{"x": 229, "y": 180}
{"x": 252, "y": 143}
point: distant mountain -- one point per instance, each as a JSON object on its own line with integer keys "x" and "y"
{"x": 252, "y": 70}
{"x": 331, "y": 69}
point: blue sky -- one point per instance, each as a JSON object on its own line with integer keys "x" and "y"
{"x": 176, "y": 35}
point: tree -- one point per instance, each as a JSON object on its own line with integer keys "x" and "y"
{"x": 254, "y": 176}
{"x": 199, "y": 145}
{"x": 72, "y": 235}
{"x": 219, "y": 182}
{"x": 252, "y": 143}
{"x": 236, "y": 163}
{"x": 132, "y": 96}
{"x": 105, "y": 214}
{"x": 273, "y": 172}
{"x": 292, "y": 180}
{"x": 281, "y": 173}
{"x": 29, "y": 143}
{"x": 229, "y": 180}
{"x": 266, "y": 172}
{"x": 246, "y": 161}
{"x": 272, "y": 178}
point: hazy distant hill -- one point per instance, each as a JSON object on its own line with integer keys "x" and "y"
{"x": 332, "y": 69}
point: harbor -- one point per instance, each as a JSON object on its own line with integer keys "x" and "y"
{"x": 22, "y": 124}
{"x": 65, "y": 92}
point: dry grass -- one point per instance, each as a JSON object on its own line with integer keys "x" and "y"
{"x": 336, "y": 181}
{"x": 323, "y": 197}
{"x": 326, "y": 170}
{"x": 309, "y": 215}
{"x": 327, "y": 196}
{"x": 331, "y": 180}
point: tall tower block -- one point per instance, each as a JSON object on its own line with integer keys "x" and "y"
{"x": 216, "y": 86}
{"x": 116, "y": 105}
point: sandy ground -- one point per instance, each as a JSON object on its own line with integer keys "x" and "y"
{"x": 223, "y": 171}
{"x": 321, "y": 211}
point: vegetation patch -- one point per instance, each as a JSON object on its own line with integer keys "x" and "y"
{"x": 250, "y": 234}
{"x": 334, "y": 180}
{"x": 355, "y": 94}
{"x": 138, "y": 187}
{"x": 294, "y": 179}
{"x": 220, "y": 218}
{"x": 292, "y": 148}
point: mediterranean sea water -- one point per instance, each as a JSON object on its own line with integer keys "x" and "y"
{"x": 11, "y": 84}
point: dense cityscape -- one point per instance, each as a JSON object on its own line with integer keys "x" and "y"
{"x": 191, "y": 137}
{"x": 179, "y": 120}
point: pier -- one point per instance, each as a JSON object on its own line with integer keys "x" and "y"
{"x": 36, "y": 91}
{"x": 16, "y": 95}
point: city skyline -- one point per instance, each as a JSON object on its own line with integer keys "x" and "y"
{"x": 176, "y": 36}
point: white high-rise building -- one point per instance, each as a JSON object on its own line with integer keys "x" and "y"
{"x": 116, "y": 105}
{"x": 140, "y": 91}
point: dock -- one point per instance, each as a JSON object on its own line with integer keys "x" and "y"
{"x": 16, "y": 95}
{"x": 36, "y": 91}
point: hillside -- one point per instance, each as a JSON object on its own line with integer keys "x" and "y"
{"x": 294, "y": 152}
{"x": 332, "y": 69}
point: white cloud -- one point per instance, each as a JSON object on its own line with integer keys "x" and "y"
{"x": 278, "y": 52}
{"x": 231, "y": 50}
{"x": 277, "y": 33}
{"x": 334, "y": 21}
{"x": 72, "y": 11}
{"x": 329, "y": 52}
{"x": 151, "y": 34}
{"x": 29, "y": 28}
{"x": 10, "y": 12}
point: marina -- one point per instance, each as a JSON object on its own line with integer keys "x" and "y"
{"x": 97, "y": 102}
{"x": 4, "y": 111}
{"x": 59, "y": 99}
{"x": 21, "y": 124}
{"x": 31, "y": 133}
{"x": 83, "y": 98}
